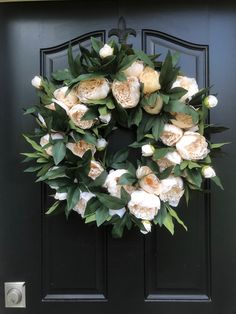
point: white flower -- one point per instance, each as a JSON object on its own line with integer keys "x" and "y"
{"x": 60, "y": 196}
{"x": 135, "y": 69}
{"x": 187, "y": 83}
{"x": 182, "y": 120}
{"x": 144, "y": 205}
{"x": 52, "y": 106}
{"x": 101, "y": 144}
{"x": 127, "y": 93}
{"x": 170, "y": 159}
{"x": 172, "y": 190}
{"x": 156, "y": 107}
{"x": 64, "y": 99}
{"x": 95, "y": 169}
{"x": 76, "y": 114}
{"x": 210, "y": 101}
{"x": 208, "y": 172}
{"x": 106, "y": 118}
{"x": 150, "y": 79}
{"x": 192, "y": 146}
{"x": 148, "y": 181}
{"x": 147, "y": 225}
{"x": 171, "y": 134}
{"x": 80, "y": 147}
{"x": 45, "y": 140}
{"x": 112, "y": 180}
{"x": 81, "y": 205}
{"x": 37, "y": 82}
{"x": 120, "y": 212}
{"x": 147, "y": 150}
{"x": 106, "y": 51}
{"x": 93, "y": 89}
{"x": 41, "y": 119}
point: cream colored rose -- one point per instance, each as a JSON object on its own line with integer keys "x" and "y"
{"x": 148, "y": 181}
{"x": 127, "y": 93}
{"x": 80, "y": 147}
{"x": 46, "y": 139}
{"x": 95, "y": 169}
{"x": 76, "y": 114}
{"x": 172, "y": 190}
{"x": 187, "y": 83}
{"x": 171, "y": 134}
{"x": 69, "y": 100}
{"x": 144, "y": 205}
{"x": 170, "y": 159}
{"x": 112, "y": 182}
{"x": 156, "y": 107}
{"x": 37, "y": 82}
{"x": 135, "y": 69}
{"x": 147, "y": 225}
{"x": 208, "y": 172}
{"x": 93, "y": 89}
{"x": 150, "y": 79}
{"x": 81, "y": 205}
{"x": 182, "y": 120}
{"x": 106, "y": 51}
{"x": 192, "y": 146}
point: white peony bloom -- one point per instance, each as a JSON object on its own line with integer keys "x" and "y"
{"x": 170, "y": 159}
{"x": 112, "y": 180}
{"x": 147, "y": 225}
{"x": 135, "y": 69}
{"x": 148, "y": 181}
{"x": 76, "y": 114}
{"x": 80, "y": 147}
{"x": 93, "y": 89}
{"x": 95, "y": 169}
{"x": 150, "y": 79}
{"x": 208, "y": 172}
{"x": 156, "y": 107}
{"x": 210, "y": 101}
{"x": 172, "y": 190}
{"x": 106, "y": 51}
{"x": 147, "y": 150}
{"x": 62, "y": 97}
{"x": 120, "y": 212}
{"x": 45, "y": 140}
{"x": 101, "y": 144}
{"x": 192, "y": 146}
{"x": 182, "y": 120}
{"x": 144, "y": 205}
{"x": 187, "y": 83}
{"x": 171, "y": 134}
{"x": 106, "y": 118}
{"x": 81, "y": 205}
{"x": 60, "y": 196}
{"x": 37, "y": 82}
{"x": 127, "y": 93}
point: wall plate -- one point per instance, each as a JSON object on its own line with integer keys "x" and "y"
{"x": 15, "y": 294}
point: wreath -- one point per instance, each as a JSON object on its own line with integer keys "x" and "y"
{"x": 109, "y": 87}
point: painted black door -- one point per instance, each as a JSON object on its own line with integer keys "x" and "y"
{"x": 72, "y": 268}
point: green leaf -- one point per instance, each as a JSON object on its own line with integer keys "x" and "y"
{"x": 30, "y": 110}
{"x": 71, "y": 61}
{"x": 175, "y": 215}
{"x": 52, "y": 208}
{"x": 218, "y": 145}
{"x": 194, "y": 177}
{"x": 62, "y": 75}
{"x": 184, "y": 164}
{"x": 192, "y": 164}
{"x": 168, "y": 73}
{"x": 96, "y": 44}
{"x": 165, "y": 174}
{"x": 109, "y": 201}
{"x": 168, "y": 223}
{"x": 125, "y": 196}
{"x": 127, "y": 179}
{"x": 73, "y": 196}
{"x": 33, "y": 169}
{"x": 120, "y": 77}
{"x": 99, "y": 181}
{"x": 161, "y": 152}
{"x": 90, "y": 114}
{"x": 217, "y": 181}
{"x": 178, "y": 106}
{"x": 177, "y": 93}
{"x": 126, "y": 62}
{"x": 144, "y": 57}
{"x": 90, "y": 218}
{"x": 160, "y": 217}
{"x": 33, "y": 144}
{"x": 157, "y": 128}
{"x": 118, "y": 229}
{"x": 58, "y": 151}
{"x": 101, "y": 215}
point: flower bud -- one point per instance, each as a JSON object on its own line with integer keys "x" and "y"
{"x": 208, "y": 172}
{"x": 147, "y": 225}
{"x": 37, "y": 82}
{"x": 60, "y": 196}
{"x": 101, "y": 144}
{"x": 210, "y": 101}
{"x": 106, "y": 118}
{"x": 147, "y": 150}
{"x": 106, "y": 51}
{"x": 120, "y": 212}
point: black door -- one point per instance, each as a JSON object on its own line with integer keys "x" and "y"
{"x": 72, "y": 268}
